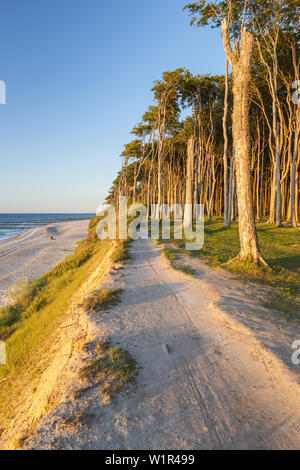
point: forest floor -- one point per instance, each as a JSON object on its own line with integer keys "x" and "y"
{"x": 214, "y": 366}
{"x": 280, "y": 247}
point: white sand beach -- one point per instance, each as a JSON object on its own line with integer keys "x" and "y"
{"x": 34, "y": 252}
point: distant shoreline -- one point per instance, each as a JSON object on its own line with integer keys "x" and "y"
{"x": 32, "y": 253}
{"x": 13, "y": 225}
{"x": 14, "y": 237}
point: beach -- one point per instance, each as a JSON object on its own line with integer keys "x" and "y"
{"x": 35, "y": 252}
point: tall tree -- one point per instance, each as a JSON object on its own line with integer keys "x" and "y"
{"x": 166, "y": 95}
{"x": 233, "y": 18}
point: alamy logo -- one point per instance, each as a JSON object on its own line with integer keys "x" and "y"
{"x": 2, "y": 92}
{"x": 296, "y": 94}
{"x": 2, "y": 353}
{"x": 296, "y": 354}
{"x": 166, "y": 221}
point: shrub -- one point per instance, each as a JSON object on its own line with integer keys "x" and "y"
{"x": 9, "y": 315}
{"x": 101, "y": 300}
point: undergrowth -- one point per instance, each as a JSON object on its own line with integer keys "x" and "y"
{"x": 112, "y": 370}
{"x": 102, "y": 300}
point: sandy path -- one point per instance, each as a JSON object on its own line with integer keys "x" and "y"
{"x": 33, "y": 253}
{"x": 205, "y": 381}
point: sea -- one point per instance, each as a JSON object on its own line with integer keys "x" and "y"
{"x": 12, "y": 225}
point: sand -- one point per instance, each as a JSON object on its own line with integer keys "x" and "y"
{"x": 33, "y": 253}
{"x": 208, "y": 377}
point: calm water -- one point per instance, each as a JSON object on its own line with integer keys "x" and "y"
{"x": 14, "y": 224}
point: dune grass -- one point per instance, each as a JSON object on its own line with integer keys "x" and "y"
{"x": 29, "y": 325}
{"x": 173, "y": 256}
{"x": 280, "y": 247}
{"x": 112, "y": 369}
{"x": 102, "y": 300}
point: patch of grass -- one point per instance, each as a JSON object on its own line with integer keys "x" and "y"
{"x": 122, "y": 255}
{"x": 185, "y": 269}
{"x": 102, "y": 300}
{"x": 281, "y": 302}
{"x": 112, "y": 370}
{"x": 9, "y": 316}
{"x": 174, "y": 255}
{"x": 171, "y": 255}
{"x": 78, "y": 419}
{"x": 35, "y": 295}
{"x": 279, "y": 247}
{"x": 29, "y": 325}
{"x": 20, "y": 441}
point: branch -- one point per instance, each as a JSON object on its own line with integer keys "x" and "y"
{"x": 226, "y": 41}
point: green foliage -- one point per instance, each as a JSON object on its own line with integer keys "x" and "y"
{"x": 121, "y": 253}
{"x": 9, "y": 315}
{"x": 278, "y": 247}
{"x": 173, "y": 256}
{"x": 36, "y": 294}
{"x": 133, "y": 150}
{"x": 29, "y": 325}
{"x": 102, "y": 300}
{"x": 112, "y": 370}
{"x": 80, "y": 256}
{"x": 93, "y": 224}
{"x": 239, "y": 12}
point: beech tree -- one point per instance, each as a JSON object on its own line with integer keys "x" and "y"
{"x": 234, "y": 17}
{"x": 238, "y": 146}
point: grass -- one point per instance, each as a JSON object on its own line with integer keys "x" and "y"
{"x": 43, "y": 291}
{"x": 186, "y": 270}
{"x": 173, "y": 256}
{"x": 279, "y": 247}
{"x": 283, "y": 303}
{"x": 112, "y": 370}
{"x": 29, "y": 325}
{"x": 78, "y": 419}
{"x": 170, "y": 254}
{"x": 102, "y": 300}
{"x": 122, "y": 255}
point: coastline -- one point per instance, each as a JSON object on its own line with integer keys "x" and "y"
{"x": 32, "y": 253}
{"x": 21, "y": 223}
{"x": 3, "y": 240}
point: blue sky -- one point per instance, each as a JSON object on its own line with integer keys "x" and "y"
{"x": 78, "y": 76}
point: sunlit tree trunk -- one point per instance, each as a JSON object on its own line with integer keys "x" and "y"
{"x": 225, "y": 161}
{"x": 188, "y": 208}
{"x": 240, "y": 58}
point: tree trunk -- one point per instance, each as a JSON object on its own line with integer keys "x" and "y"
{"x": 294, "y": 201}
{"x": 188, "y": 208}
{"x": 230, "y": 191}
{"x": 225, "y": 135}
{"x": 240, "y": 59}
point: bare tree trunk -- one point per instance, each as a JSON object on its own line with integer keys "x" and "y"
{"x": 160, "y": 145}
{"x": 261, "y": 187}
{"x": 294, "y": 179}
{"x": 241, "y": 58}
{"x": 297, "y": 198}
{"x": 212, "y": 185}
{"x": 294, "y": 201}
{"x": 148, "y": 189}
{"x": 230, "y": 191}
{"x": 278, "y": 172}
{"x": 258, "y": 172}
{"x": 188, "y": 208}
{"x": 134, "y": 184}
{"x": 225, "y": 134}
